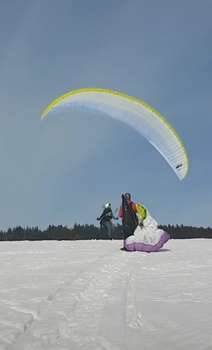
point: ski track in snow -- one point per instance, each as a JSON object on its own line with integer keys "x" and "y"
{"x": 89, "y": 295}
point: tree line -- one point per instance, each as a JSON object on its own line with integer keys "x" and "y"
{"x": 86, "y": 232}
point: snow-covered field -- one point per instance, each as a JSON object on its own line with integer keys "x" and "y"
{"x": 90, "y": 295}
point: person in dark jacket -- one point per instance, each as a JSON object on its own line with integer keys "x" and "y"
{"x": 128, "y": 215}
{"x": 106, "y": 219}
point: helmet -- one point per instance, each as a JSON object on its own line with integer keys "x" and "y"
{"x": 107, "y": 205}
{"x": 127, "y": 196}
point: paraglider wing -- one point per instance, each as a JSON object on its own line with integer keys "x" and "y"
{"x": 135, "y": 113}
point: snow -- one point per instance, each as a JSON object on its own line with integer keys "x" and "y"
{"x": 89, "y": 295}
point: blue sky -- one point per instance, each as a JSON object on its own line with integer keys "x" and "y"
{"x": 62, "y": 170}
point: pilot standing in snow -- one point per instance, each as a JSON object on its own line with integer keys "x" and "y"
{"x": 106, "y": 219}
{"x": 128, "y": 214}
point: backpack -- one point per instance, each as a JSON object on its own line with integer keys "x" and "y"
{"x": 141, "y": 211}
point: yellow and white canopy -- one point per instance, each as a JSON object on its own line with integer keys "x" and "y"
{"x": 135, "y": 113}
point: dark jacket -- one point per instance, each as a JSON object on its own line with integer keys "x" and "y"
{"x": 107, "y": 215}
